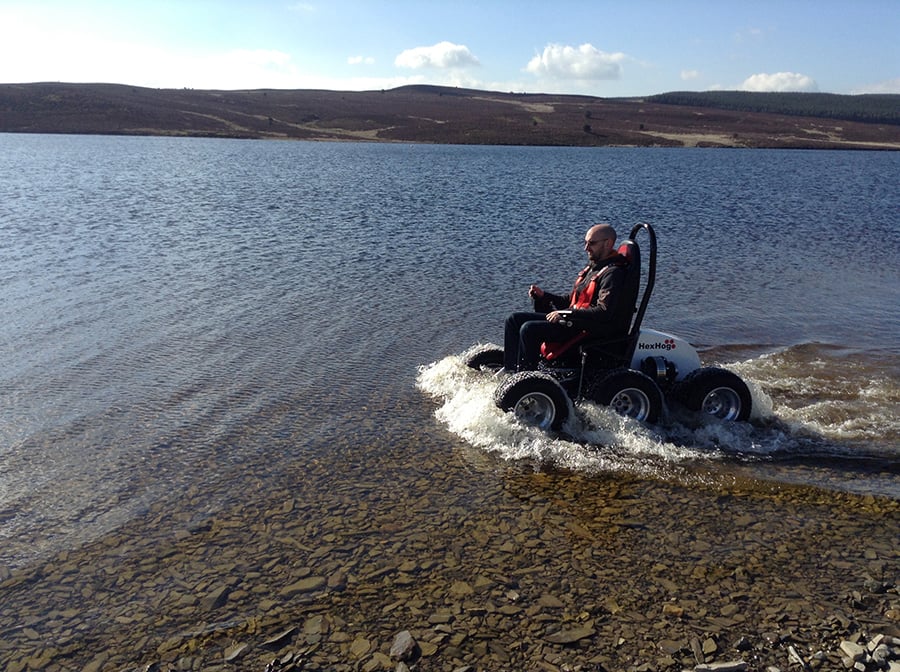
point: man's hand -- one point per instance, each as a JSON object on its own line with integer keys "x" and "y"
{"x": 554, "y": 316}
{"x": 535, "y": 292}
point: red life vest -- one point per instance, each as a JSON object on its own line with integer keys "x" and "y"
{"x": 584, "y": 298}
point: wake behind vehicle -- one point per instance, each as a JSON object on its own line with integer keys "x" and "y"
{"x": 636, "y": 374}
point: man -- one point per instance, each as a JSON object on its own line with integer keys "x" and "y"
{"x": 594, "y": 304}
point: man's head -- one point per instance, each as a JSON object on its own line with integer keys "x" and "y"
{"x": 600, "y": 242}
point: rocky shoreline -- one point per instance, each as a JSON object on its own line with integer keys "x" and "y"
{"x": 429, "y": 566}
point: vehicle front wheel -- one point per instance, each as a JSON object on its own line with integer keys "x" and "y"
{"x": 536, "y": 399}
{"x": 629, "y": 393}
{"x": 716, "y": 392}
{"x": 486, "y": 358}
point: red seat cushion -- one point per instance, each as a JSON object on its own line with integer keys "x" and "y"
{"x": 551, "y": 351}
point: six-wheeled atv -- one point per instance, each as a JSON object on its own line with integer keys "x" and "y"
{"x": 635, "y": 374}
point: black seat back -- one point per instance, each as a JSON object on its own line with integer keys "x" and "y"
{"x": 632, "y": 287}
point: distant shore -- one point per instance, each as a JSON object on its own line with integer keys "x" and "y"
{"x": 426, "y": 114}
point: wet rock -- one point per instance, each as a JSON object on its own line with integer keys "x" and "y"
{"x": 735, "y": 666}
{"x": 280, "y": 639}
{"x": 482, "y": 584}
{"x": 360, "y": 647}
{"x": 215, "y": 598}
{"x": 404, "y": 647}
{"x": 461, "y": 589}
{"x": 234, "y": 652}
{"x": 671, "y": 646}
{"x": 442, "y": 616}
{"x": 881, "y": 655}
{"x": 568, "y": 636}
{"x": 672, "y": 610}
{"x": 743, "y": 644}
{"x": 337, "y": 580}
{"x": 305, "y": 585}
{"x": 96, "y": 665}
{"x": 697, "y": 650}
{"x": 315, "y": 627}
{"x": 550, "y": 602}
{"x": 852, "y": 650}
{"x": 378, "y": 661}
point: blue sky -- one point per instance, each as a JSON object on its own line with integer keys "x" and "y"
{"x": 594, "y": 47}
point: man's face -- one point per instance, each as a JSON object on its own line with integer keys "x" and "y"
{"x": 597, "y": 247}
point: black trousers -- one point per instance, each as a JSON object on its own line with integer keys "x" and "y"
{"x": 523, "y": 335}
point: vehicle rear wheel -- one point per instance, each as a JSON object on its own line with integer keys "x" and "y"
{"x": 536, "y": 399}
{"x": 489, "y": 358}
{"x": 716, "y": 392}
{"x": 629, "y": 393}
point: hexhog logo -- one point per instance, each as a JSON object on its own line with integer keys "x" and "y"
{"x": 668, "y": 344}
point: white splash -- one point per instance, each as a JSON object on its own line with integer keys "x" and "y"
{"x": 594, "y": 438}
{"x": 824, "y": 395}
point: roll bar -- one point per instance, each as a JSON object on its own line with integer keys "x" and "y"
{"x": 635, "y": 330}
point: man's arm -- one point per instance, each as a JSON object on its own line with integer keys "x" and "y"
{"x": 546, "y": 302}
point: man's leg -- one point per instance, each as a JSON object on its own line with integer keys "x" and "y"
{"x": 511, "y": 337}
{"x": 533, "y": 333}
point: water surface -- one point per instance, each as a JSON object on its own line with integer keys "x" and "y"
{"x": 189, "y": 315}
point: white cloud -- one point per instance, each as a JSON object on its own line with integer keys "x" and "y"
{"x": 779, "y": 81}
{"x": 360, "y": 60}
{"x": 689, "y": 74}
{"x": 887, "y": 86}
{"x": 585, "y": 62}
{"x": 441, "y": 55}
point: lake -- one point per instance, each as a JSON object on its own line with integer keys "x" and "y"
{"x": 185, "y": 318}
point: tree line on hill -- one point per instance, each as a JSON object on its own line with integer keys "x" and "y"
{"x": 866, "y": 108}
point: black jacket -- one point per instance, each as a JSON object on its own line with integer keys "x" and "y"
{"x": 610, "y": 310}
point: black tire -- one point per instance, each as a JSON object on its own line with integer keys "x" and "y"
{"x": 536, "y": 399}
{"x": 487, "y": 358}
{"x": 629, "y": 393}
{"x": 716, "y": 392}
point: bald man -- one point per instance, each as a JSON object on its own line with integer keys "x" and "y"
{"x": 594, "y": 304}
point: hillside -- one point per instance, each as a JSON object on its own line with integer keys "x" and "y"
{"x": 429, "y": 114}
{"x": 869, "y": 108}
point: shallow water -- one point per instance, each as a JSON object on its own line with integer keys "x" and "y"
{"x": 191, "y": 315}
{"x": 829, "y": 442}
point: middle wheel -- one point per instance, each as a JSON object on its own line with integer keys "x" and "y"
{"x": 629, "y": 393}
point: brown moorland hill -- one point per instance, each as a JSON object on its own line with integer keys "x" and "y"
{"x": 426, "y": 114}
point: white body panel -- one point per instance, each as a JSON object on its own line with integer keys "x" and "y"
{"x": 652, "y": 343}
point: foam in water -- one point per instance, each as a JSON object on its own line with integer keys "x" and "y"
{"x": 594, "y": 438}
{"x": 827, "y": 395}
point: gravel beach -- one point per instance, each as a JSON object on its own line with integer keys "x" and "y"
{"x": 441, "y": 564}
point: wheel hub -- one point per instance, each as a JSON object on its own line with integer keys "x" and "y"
{"x": 723, "y": 403}
{"x": 631, "y": 402}
{"x": 536, "y": 409}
